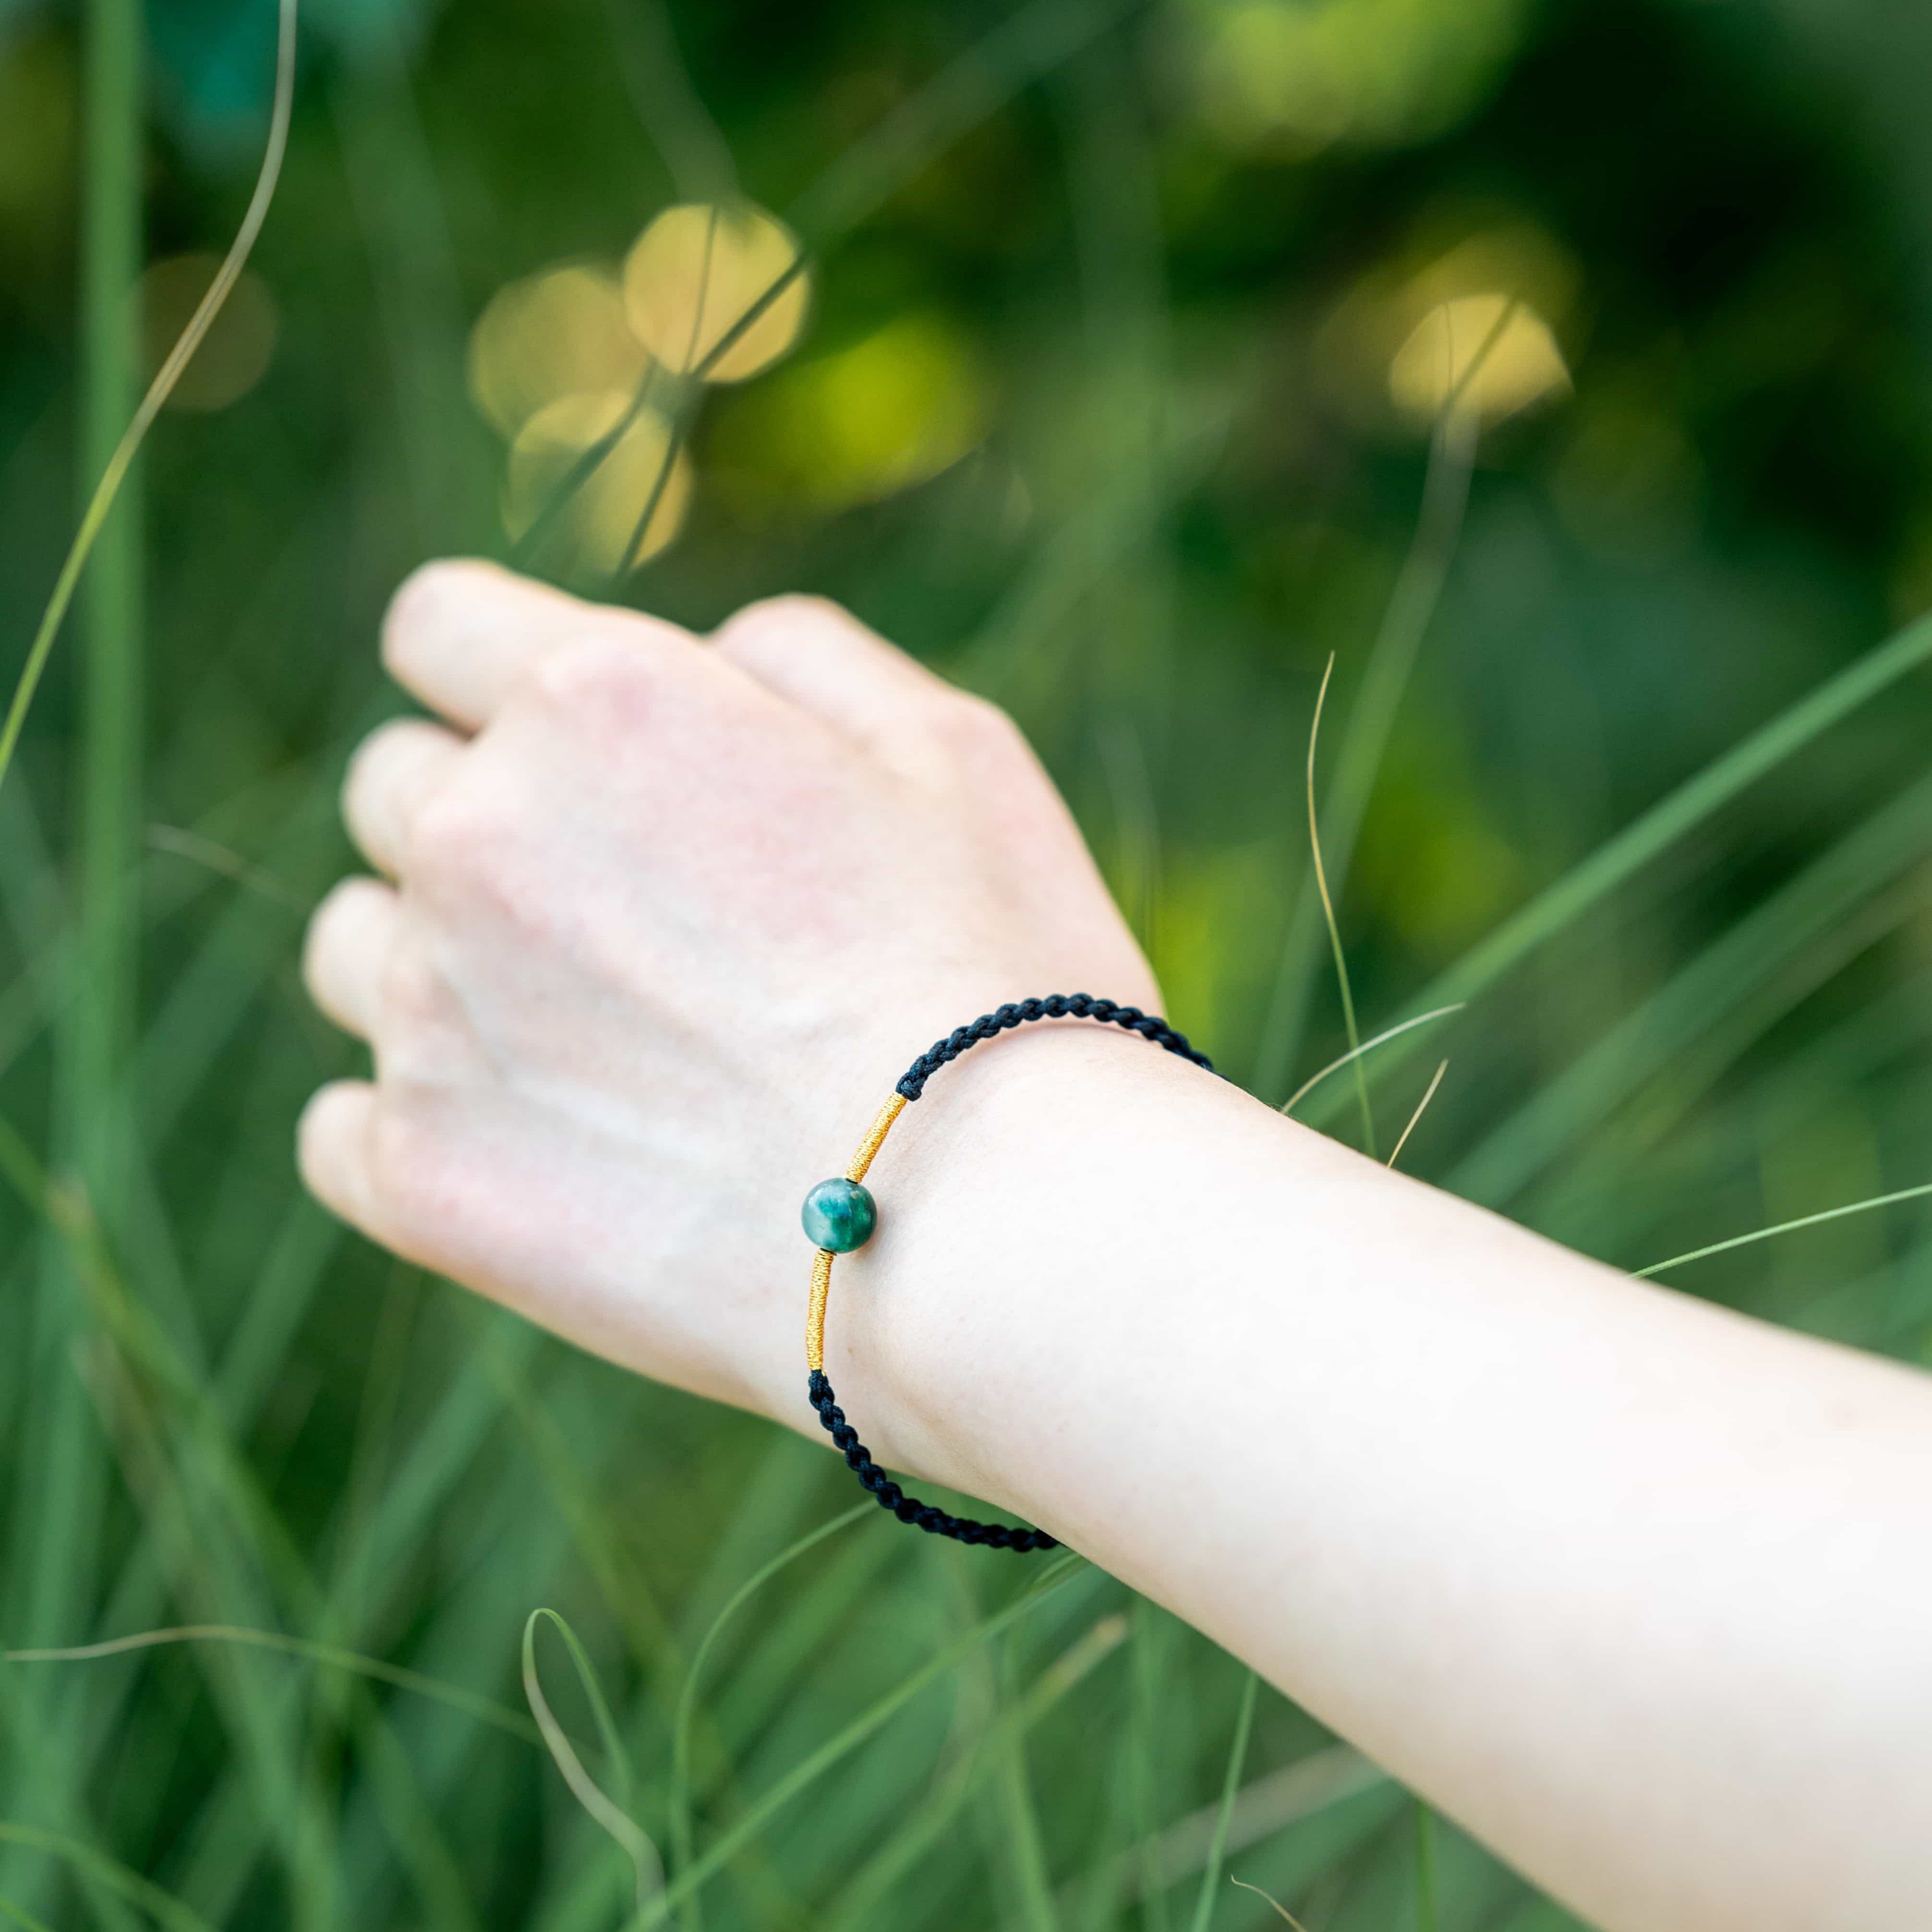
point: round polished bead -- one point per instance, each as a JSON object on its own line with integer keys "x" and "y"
{"x": 839, "y": 1215}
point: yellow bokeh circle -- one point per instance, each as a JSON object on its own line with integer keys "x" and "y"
{"x": 696, "y": 271}
{"x": 561, "y": 333}
{"x": 596, "y": 528}
{"x": 1488, "y": 356}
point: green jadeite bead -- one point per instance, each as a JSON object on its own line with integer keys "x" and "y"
{"x": 839, "y": 1215}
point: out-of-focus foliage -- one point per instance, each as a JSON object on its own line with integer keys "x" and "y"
{"x": 1131, "y": 341}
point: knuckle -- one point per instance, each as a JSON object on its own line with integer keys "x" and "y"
{"x": 974, "y": 726}
{"x": 451, "y": 833}
{"x": 773, "y": 619}
{"x": 591, "y": 678}
{"x": 800, "y": 607}
{"x": 476, "y": 851}
{"x": 409, "y": 1167}
{"x": 411, "y": 994}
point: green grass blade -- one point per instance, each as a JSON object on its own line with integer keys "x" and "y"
{"x": 680, "y": 1806}
{"x": 930, "y": 1821}
{"x": 972, "y": 88}
{"x": 848, "y": 1739}
{"x": 484, "y": 1710}
{"x": 1698, "y": 997}
{"x": 166, "y": 377}
{"x": 1786, "y": 1228}
{"x": 1427, "y": 1919}
{"x": 1675, "y": 817}
{"x": 1411, "y": 607}
{"x": 1355, "y": 1053}
{"x": 1231, "y": 1785}
{"x": 167, "y": 1911}
{"x": 608, "y": 1813}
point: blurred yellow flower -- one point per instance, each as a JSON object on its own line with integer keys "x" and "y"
{"x": 597, "y": 528}
{"x": 696, "y": 271}
{"x": 561, "y": 333}
{"x": 1492, "y": 354}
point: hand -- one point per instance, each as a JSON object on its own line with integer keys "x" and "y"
{"x": 665, "y": 920}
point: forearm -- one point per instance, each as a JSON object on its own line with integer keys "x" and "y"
{"x": 1577, "y": 1558}
{"x": 1634, "y": 1589}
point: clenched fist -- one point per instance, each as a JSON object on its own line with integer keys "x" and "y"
{"x": 661, "y": 919}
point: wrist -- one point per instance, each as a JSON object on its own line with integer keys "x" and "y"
{"x": 953, "y": 1333}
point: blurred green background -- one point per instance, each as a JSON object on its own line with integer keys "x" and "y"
{"x": 1126, "y": 392}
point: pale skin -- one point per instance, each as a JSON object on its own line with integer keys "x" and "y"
{"x": 1635, "y": 1589}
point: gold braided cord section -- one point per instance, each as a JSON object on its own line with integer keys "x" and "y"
{"x": 814, "y": 1314}
{"x": 875, "y": 1137}
{"x": 821, "y": 1264}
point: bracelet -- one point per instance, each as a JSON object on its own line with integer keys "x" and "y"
{"x": 840, "y": 1215}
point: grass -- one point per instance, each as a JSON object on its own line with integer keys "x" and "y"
{"x": 280, "y": 1507}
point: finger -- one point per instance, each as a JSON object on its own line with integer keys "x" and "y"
{"x": 826, "y": 662}
{"x": 461, "y": 635}
{"x": 395, "y": 769}
{"x": 350, "y": 941}
{"x": 335, "y": 1141}
{"x": 397, "y": 1159}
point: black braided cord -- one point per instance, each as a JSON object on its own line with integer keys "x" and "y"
{"x": 819, "y": 1393}
{"x": 1055, "y": 1007}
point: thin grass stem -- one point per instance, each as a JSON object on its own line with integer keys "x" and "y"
{"x": 1395, "y": 1153}
{"x": 1314, "y": 1080}
{"x": 969, "y": 90}
{"x": 607, "y": 1813}
{"x": 19, "y": 1915}
{"x": 1809, "y": 910}
{"x": 674, "y": 114}
{"x": 1412, "y": 608}
{"x": 679, "y": 1807}
{"x": 1328, "y": 916}
{"x": 1786, "y": 1228}
{"x": 587, "y": 464}
{"x": 634, "y": 548}
{"x": 1676, "y": 817}
{"x": 973, "y": 88}
{"x": 1230, "y": 1785}
{"x": 803, "y": 1775}
{"x": 472, "y": 1704}
{"x": 1427, "y": 1918}
{"x": 167, "y": 1911}
{"x": 1271, "y": 1899}
{"x": 928, "y": 1824}
{"x": 166, "y": 377}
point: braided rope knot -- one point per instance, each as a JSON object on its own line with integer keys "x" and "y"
{"x": 1151, "y": 1027}
{"x": 909, "y": 1509}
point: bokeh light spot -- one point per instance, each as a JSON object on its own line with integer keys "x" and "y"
{"x": 892, "y": 410}
{"x": 1492, "y": 355}
{"x": 596, "y": 531}
{"x": 558, "y": 334}
{"x": 696, "y": 271}
{"x": 240, "y": 344}
{"x": 1299, "y": 74}
{"x": 1405, "y": 311}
